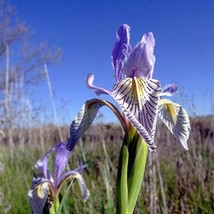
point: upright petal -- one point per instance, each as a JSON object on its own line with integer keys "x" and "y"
{"x": 121, "y": 49}
{"x": 176, "y": 119}
{"x": 138, "y": 99}
{"x": 97, "y": 90}
{"x": 42, "y": 165}
{"x": 141, "y": 60}
{"x": 62, "y": 156}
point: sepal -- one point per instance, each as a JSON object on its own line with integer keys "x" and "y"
{"x": 176, "y": 119}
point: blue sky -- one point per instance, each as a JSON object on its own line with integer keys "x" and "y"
{"x": 85, "y": 30}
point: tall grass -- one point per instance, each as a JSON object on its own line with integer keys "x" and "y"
{"x": 176, "y": 181}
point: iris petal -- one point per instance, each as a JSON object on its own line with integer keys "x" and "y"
{"x": 42, "y": 165}
{"x": 62, "y": 156}
{"x": 82, "y": 122}
{"x": 138, "y": 99}
{"x": 37, "y": 196}
{"x": 176, "y": 119}
{"x": 86, "y": 116}
{"x": 121, "y": 49}
{"x": 169, "y": 90}
{"x": 76, "y": 174}
{"x": 97, "y": 90}
{"x": 141, "y": 59}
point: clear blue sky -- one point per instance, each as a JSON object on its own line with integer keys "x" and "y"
{"x": 85, "y": 30}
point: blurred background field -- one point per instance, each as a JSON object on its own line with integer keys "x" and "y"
{"x": 176, "y": 181}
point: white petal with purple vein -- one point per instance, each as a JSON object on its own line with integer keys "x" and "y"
{"x": 138, "y": 99}
{"x": 176, "y": 119}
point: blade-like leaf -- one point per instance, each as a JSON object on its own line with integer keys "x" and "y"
{"x": 136, "y": 173}
{"x": 176, "y": 119}
{"x": 121, "y": 185}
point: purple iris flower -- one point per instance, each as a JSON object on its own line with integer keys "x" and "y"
{"x": 46, "y": 185}
{"x": 138, "y": 94}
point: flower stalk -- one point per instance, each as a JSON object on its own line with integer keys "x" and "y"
{"x": 131, "y": 169}
{"x": 55, "y": 207}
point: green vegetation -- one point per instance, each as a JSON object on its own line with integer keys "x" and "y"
{"x": 176, "y": 181}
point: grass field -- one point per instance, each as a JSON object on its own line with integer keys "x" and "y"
{"x": 176, "y": 181}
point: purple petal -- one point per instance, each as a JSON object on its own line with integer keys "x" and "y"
{"x": 121, "y": 49}
{"x": 87, "y": 115}
{"x": 97, "y": 90}
{"x": 42, "y": 165}
{"x": 169, "y": 90}
{"x": 61, "y": 160}
{"x": 82, "y": 122}
{"x": 80, "y": 168}
{"x": 37, "y": 196}
{"x": 76, "y": 174}
{"x": 141, "y": 60}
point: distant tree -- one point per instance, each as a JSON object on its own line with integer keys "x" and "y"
{"x": 21, "y": 65}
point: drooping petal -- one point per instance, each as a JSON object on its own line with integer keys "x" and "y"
{"x": 86, "y": 116}
{"x": 176, "y": 119}
{"x": 169, "y": 90}
{"x": 82, "y": 122}
{"x": 62, "y": 156}
{"x": 37, "y": 196}
{"x": 76, "y": 174}
{"x": 97, "y": 90}
{"x": 121, "y": 49}
{"x": 138, "y": 99}
{"x": 141, "y": 59}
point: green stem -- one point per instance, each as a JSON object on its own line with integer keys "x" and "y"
{"x": 55, "y": 206}
{"x": 121, "y": 185}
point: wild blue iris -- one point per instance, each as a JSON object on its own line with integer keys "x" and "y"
{"x": 139, "y": 97}
{"x": 46, "y": 185}
{"x": 138, "y": 94}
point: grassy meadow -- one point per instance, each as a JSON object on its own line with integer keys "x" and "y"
{"x": 176, "y": 181}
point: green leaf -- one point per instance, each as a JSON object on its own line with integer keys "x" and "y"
{"x": 138, "y": 156}
{"x": 121, "y": 185}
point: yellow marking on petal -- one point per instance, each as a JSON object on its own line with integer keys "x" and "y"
{"x": 171, "y": 111}
{"x": 137, "y": 90}
{"x": 41, "y": 190}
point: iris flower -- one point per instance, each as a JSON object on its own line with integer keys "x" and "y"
{"x": 46, "y": 186}
{"x": 138, "y": 94}
{"x": 139, "y": 97}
